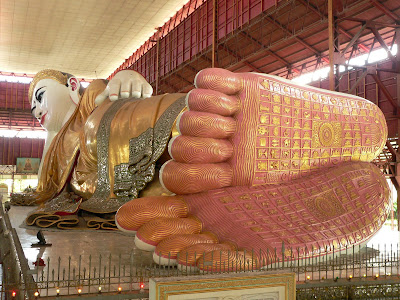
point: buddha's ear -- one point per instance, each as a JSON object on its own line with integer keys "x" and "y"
{"x": 73, "y": 87}
{"x": 73, "y": 84}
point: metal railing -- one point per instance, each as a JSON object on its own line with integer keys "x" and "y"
{"x": 130, "y": 272}
{"x": 15, "y": 266}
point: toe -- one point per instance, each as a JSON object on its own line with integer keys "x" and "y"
{"x": 194, "y": 150}
{"x": 228, "y": 261}
{"x": 212, "y": 102}
{"x": 151, "y": 233}
{"x": 201, "y": 124}
{"x": 188, "y": 256}
{"x": 181, "y": 178}
{"x": 167, "y": 250}
{"x": 220, "y": 80}
{"x": 137, "y": 212}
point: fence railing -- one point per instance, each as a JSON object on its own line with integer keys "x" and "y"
{"x": 16, "y": 274}
{"x": 353, "y": 270}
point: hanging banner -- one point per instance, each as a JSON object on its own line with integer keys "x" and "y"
{"x": 27, "y": 165}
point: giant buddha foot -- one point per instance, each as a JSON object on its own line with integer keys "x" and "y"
{"x": 260, "y": 162}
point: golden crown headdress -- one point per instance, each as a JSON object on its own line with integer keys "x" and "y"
{"x": 46, "y": 74}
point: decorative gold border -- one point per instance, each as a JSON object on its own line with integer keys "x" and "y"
{"x": 169, "y": 288}
{"x": 46, "y": 74}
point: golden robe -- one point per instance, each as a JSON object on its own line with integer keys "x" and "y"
{"x": 107, "y": 154}
{"x": 61, "y": 155}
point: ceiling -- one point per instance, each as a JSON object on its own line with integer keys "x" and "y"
{"x": 87, "y": 38}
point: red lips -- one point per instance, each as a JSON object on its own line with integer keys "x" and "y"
{"x": 42, "y": 119}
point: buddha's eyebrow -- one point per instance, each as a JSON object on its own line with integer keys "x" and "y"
{"x": 33, "y": 108}
{"x": 36, "y": 93}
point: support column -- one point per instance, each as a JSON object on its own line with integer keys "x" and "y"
{"x": 12, "y": 182}
{"x": 331, "y": 46}
{"x": 157, "y": 59}
{"x": 214, "y": 57}
{"x": 336, "y": 52}
{"x": 397, "y": 68}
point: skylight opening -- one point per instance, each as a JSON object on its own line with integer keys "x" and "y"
{"x": 31, "y": 134}
{"x": 323, "y": 73}
{"x": 20, "y": 79}
{"x": 84, "y": 84}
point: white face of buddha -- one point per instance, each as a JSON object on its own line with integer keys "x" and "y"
{"x": 53, "y": 102}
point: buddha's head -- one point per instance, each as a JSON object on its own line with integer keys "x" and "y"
{"x": 53, "y": 96}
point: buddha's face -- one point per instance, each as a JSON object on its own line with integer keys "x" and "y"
{"x": 53, "y": 102}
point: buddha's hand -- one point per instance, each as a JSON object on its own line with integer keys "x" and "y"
{"x": 125, "y": 84}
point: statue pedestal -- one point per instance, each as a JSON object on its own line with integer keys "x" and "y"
{"x": 249, "y": 286}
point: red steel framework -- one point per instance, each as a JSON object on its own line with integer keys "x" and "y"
{"x": 11, "y": 148}
{"x": 15, "y": 114}
{"x": 15, "y": 107}
{"x": 285, "y": 38}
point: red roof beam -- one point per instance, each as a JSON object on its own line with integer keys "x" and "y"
{"x": 339, "y": 7}
{"x": 386, "y": 11}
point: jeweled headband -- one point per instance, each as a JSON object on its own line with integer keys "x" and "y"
{"x": 46, "y": 74}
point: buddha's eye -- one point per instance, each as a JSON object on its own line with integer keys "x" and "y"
{"x": 39, "y": 97}
{"x": 39, "y": 94}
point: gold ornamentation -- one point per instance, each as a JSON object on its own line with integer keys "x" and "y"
{"x": 262, "y": 130}
{"x": 264, "y": 108}
{"x": 277, "y": 98}
{"x": 287, "y": 99}
{"x": 144, "y": 151}
{"x": 226, "y": 199}
{"x": 265, "y": 84}
{"x": 183, "y": 287}
{"x": 286, "y": 133}
{"x": 326, "y": 134}
{"x": 263, "y": 119}
{"x": 276, "y": 121}
{"x": 262, "y": 166}
{"x": 324, "y": 207}
{"x": 273, "y": 153}
{"x": 46, "y": 74}
{"x": 276, "y": 109}
{"x": 262, "y": 153}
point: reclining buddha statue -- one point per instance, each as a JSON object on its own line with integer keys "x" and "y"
{"x": 243, "y": 161}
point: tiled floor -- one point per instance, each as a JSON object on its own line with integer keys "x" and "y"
{"x": 69, "y": 243}
{"x": 81, "y": 254}
{"x": 91, "y": 242}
